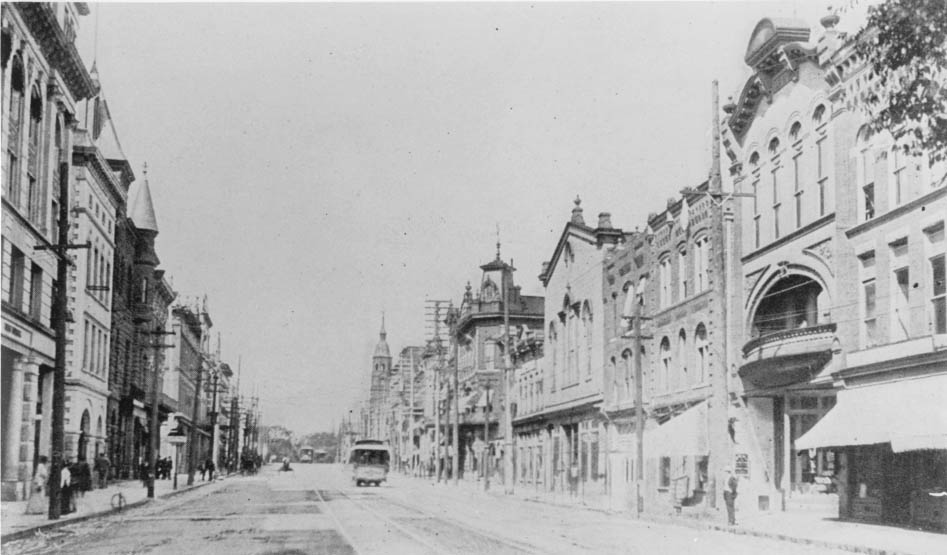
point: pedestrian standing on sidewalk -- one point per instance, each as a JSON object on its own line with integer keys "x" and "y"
{"x": 210, "y": 467}
{"x": 730, "y": 496}
{"x": 574, "y": 479}
{"x": 102, "y": 470}
{"x": 67, "y": 503}
{"x": 37, "y": 504}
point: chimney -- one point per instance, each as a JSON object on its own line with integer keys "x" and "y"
{"x": 604, "y": 220}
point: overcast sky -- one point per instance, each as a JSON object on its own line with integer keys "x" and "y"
{"x": 314, "y": 164}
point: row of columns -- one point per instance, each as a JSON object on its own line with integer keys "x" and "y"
{"x": 18, "y": 423}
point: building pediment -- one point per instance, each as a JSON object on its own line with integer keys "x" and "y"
{"x": 776, "y": 49}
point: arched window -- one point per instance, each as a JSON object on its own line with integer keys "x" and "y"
{"x": 701, "y": 263}
{"x": 664, "y": 280}
{"x": 58, "y": 146}
{"x": 11, "y": 187}
{"x": 587, "y": 337}
{"x": 628, "y": 372}
{"x": 794, "y": 130}
{"x": 665, "y": 368}
{"x": 554, "y": 358}
{"x": 34, "y": 200}
{"x": 700, "y": 364}
{"x": 754, "y": 159}
{"x": 818, "y": 115}
{"x": 682, "y": 291}
{"x": 865, "y": 172}
{"x": 773, "y": 145}
{"x": 683, "y": 378}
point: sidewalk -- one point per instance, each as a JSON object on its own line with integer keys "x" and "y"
{"x": 15, "y": 523}
{"x": 815, "y": 528}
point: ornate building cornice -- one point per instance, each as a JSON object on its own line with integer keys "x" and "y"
{"x": 57, "y": 48}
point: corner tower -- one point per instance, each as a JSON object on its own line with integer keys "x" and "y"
{"x": 378, "y": 400}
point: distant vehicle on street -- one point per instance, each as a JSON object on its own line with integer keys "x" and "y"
{"x": 306, "y": 454}
{"x": 370, "y": 460}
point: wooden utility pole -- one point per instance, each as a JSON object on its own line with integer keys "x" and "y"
{"x": 60, "y": 314}
{"x": 155, "y": 412}
{"x": 60, "y": 309}
{"x": 508, "y": 471}
{"x": 455, "y": 464}
{"x": 486, "y": 438}
{"x": 639, "y": 409}
{"x": 717, "y": 413}
{"x": 437, "y": 411}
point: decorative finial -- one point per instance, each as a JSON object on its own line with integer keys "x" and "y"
{"x": 577, "y": 212}
{"x": 498, "y": 241}
{"x": 830, "y": 20}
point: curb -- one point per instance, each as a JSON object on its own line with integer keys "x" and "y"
{"x": 804, "y": 541}
{"x": 27, "y": 532}
{"x": 703, "y": 524}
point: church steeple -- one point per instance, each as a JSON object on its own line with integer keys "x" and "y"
{"x": 381, "y": 349}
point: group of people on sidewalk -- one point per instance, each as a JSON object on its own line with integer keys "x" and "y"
{"x": 75, "y": 479}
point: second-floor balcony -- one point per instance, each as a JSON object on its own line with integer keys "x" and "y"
{"x": 786, "y": 357}
{"x": 789, "y": 344}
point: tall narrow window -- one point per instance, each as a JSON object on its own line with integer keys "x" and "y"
{"x": 587, "y": 331}
{"x": 775, "y": 204}
{"x": 797, "y": 189}
{"x": 555, "y": 355}
{"x": 868, "y": 200}
{"x": 821, "y": 177}
{"x": 683, "y": 378}
{"x": 17, "y": 275}
{"x": 900, "y": 318}
{"x": 11, "y": 186}
{"x": 869, "y": 327}
{"x": 665, "y": 377}
{"x": 756, "y": 214}
{"x": 897, "y": 159}
{"x": 36, "y": 292}
{"x": 54, "y": 185}
{"x": 87, "y": 342}
{"x": 866, "y": 173}
{"x": 33, "y": 198}
{"x": 682, "y": 274}
{"x": 938, "y": 295}
{"x": 701, "y": 260}
{"x": 700, "y": 366}
{"x": 664, "y": 271}
{"x": 870, "y": 320}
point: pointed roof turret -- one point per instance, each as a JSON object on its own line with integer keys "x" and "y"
{"x": 141, "y": 209}
{"x": 381, "y": 349}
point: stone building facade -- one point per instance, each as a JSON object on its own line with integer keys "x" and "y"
{"x": 574, "y": 347}
{"x": 477, "y": 337}
{"x": 842, "y": 252}
{"x": 44, "y": 79}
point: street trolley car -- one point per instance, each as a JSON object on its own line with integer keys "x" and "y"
{"x": 370, "y": 460}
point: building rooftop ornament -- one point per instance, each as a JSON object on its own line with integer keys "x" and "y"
{"x": 142, "y": 209}
{"x": 577, "y": 212}
{"x": 381, "y": 349}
